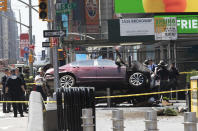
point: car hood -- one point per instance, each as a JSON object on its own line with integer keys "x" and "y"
{"x": 61, "y": 69}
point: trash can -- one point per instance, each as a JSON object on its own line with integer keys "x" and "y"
{"x": 194, "y": 94}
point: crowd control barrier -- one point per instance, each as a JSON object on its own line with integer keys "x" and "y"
{"x": 70, "y": 103}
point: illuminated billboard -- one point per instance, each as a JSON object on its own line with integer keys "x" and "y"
{"x": 155, "y": 6}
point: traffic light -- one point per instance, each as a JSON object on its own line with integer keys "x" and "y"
{"x": 43, "y": 9}
{"x": 60, "y": 54}
{"x": 3, "y": 5}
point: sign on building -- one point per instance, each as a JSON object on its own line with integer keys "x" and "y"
{"x": 137, "y": 27}
{"x": 165, "y": 28}
{"x": 24, "y": 45}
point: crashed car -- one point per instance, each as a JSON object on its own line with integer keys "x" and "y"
{"x": 102, "y": 73}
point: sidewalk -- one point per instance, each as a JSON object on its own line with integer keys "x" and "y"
{"x": 10, "y": 123}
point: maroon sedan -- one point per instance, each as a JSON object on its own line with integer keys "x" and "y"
{"x": 95, "y": 71}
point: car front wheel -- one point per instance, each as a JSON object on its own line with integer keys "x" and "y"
{"x": 136, "y": 79}
{"x": 67, "y": 81}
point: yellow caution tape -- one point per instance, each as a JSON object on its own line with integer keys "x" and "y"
{"x": 143, "y": 94}
{"x": 117, "y": 96}
{"x": 187, "y": 72}
{"x": 31, "y": 83}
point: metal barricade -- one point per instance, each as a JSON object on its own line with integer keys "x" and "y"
{"x": 70, "y": 103}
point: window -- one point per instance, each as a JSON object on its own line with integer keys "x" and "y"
{"x": 106, "y": 63}
{"x": 74, "y": 63}
{"x": 86, "y": 63}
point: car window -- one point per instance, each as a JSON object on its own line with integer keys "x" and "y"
{"x": 106, "y": 63}
{"x": 74, "y": 63}
{"x": 86, "y": 63}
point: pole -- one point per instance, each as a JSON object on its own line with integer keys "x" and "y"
{"x": 190, "y": 121}
{"x": 151, "y": 121}
{"x": 30, "y": 35}
{"x": 118, "y": 120}
{"x": 175, "y": 60}
{"x": 87, "y": 118}
{"x": 108, "y": 99}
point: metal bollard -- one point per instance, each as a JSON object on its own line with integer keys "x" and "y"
{"x": 190, "y": 121}
{"x": 118, "y": 120}
{"x": 151, "y": 121}
{"x": 87, "y": 120}
{"x": 108, "y": 99}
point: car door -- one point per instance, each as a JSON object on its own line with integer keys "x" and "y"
{"x": 86, "y": 71}
{"x": 108, "y": 71}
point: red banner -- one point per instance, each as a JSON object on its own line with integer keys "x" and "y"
{"x": 92, "y": 15}
{"x": 24, "y": 44}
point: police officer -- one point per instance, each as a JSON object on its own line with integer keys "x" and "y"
{"x": 16, "y": 90}
{"x": 21, "y": 76}
{"x": 163, "y": 74}
{"x": 6, "y": 106}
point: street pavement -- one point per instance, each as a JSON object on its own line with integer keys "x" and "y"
{"x": 134, "y": 120}
{"x": 10, "y": 123}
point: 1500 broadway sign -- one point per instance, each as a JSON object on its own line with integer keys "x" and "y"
{"x": 136, "y": 27}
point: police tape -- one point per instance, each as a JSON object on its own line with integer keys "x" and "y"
{"x": 31, "y": 83}
{"x": 117, "y": 96}
{"x": 144, "y": 94}
{"x": 187, "y": 72}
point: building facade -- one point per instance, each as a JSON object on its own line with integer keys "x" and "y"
{"x": 8, "y": 36}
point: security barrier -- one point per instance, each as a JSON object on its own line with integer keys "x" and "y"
{"x": 70, "y": 103}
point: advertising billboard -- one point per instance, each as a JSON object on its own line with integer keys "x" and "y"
{"x": 92, "y": 16}
{"x": 186, "y": 24}
{"x": 165, "y": 28}
{"x": 24, "y": 45}
{"x": 155, "y": 6}
{"x": 136, "y": 27}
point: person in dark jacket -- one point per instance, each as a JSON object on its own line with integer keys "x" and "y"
{"x": 16, "y": 90}
{"x": 173, "y": 76}
{"x": 21, "y": 76}
{"x": 163, "y": 75}
{"x": 6, "y": 97}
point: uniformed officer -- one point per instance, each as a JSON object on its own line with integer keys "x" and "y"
{"x": 16, "y": 90}
{"x": 21, "y": 76}
{"x": 6, "y": 106}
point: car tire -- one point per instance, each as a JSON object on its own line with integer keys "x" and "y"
{"x": 67, "y": 81}
{"x": 137, "y": 79}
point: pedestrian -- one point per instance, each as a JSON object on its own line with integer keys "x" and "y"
{"x": 173, "y": 76}
{"x": 151, "y": 65}
{"x": 119, "y": 61}
{"x": 21, "y": 76}
{"x": 39, "y": 80}
{"x": 6, "y": 96}
{"x": 16, "y": 90}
